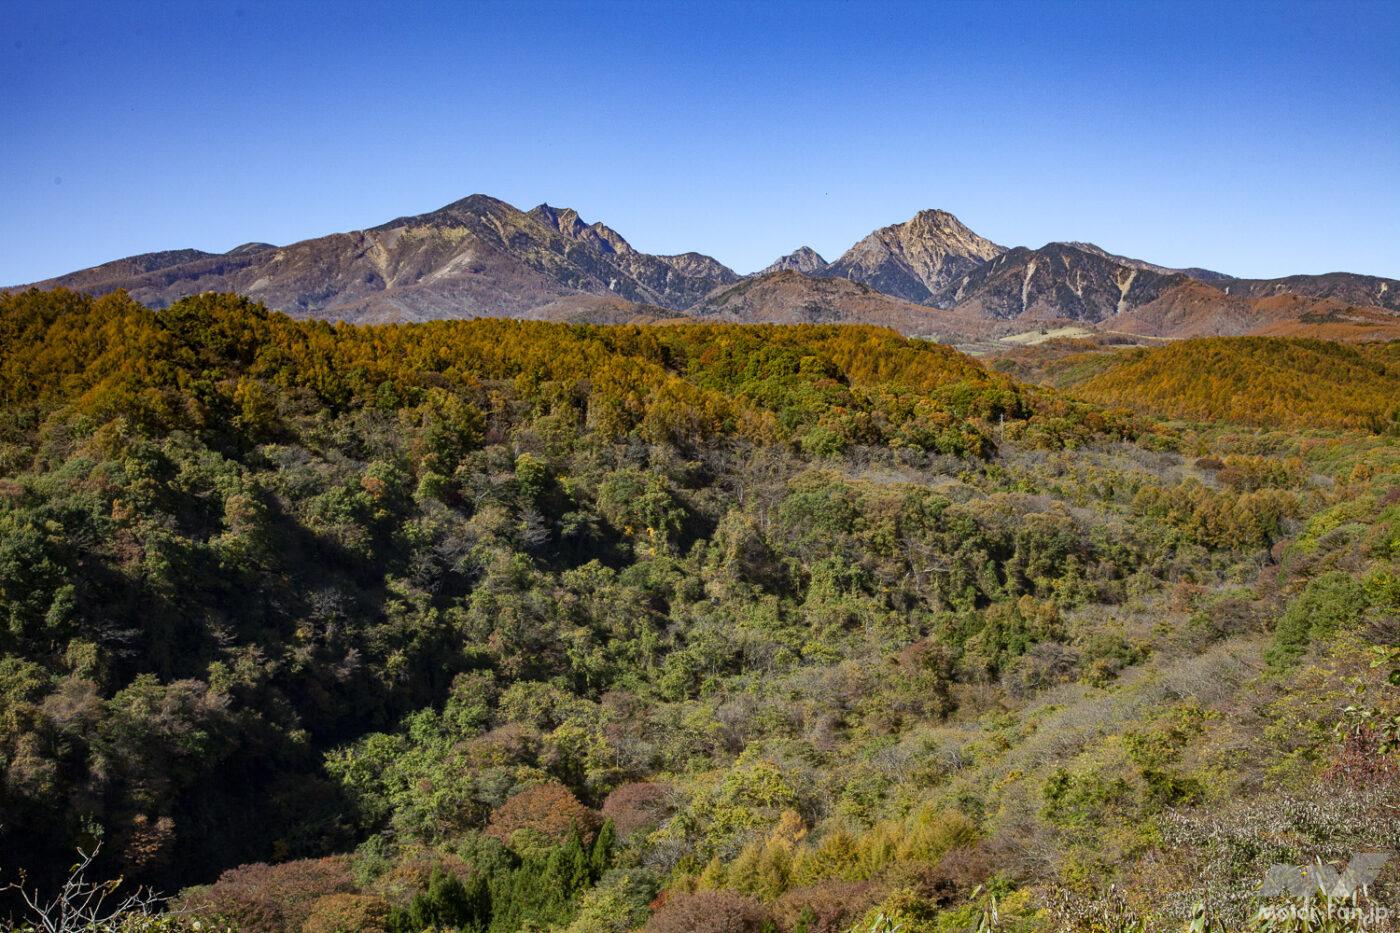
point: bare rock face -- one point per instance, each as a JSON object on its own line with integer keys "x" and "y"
{"x": 917, "y": 259}
{"x": 804, "y": 259}
{"x": 673, "y": 282}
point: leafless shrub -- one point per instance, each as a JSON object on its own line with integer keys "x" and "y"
{"x": 81, "y": 905}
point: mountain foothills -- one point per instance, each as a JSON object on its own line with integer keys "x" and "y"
{"x": 681, "y": 625}
{"x": 483, "y": 257}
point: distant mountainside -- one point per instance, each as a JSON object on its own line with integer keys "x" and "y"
{"x": 917, "y": 259}
{"x": 96, "y": 278}
{"x": 1084, "y": 284}
{"x": 1343, "y": 286}
{"x": 930, "y": 275}
{"x": 600, "y": 309}
{"x": 477, "y": 256}
{"x": 789, "y": 297}
{"x": 669, "y": 281}
{"x": 803, "y": 259}
{"x": 1059, "y": 281}
{"x": 1203, "y": 275}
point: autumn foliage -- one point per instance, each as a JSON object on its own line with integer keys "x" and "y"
{"x": 347, "y": 913}
{"x": 1281, "y": 382}
{"x": 835, "y": 629}
{"x": 273, "y": 898}
{"x": 637, "y": 806}
{"x": 550, "y": 811}
{"x": 708, "y": 912}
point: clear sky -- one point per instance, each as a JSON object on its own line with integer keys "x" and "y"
{"x": 1257, "y": 139}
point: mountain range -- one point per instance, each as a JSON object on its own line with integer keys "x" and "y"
{"x": 930, "y": 276}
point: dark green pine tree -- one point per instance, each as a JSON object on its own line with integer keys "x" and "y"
{"x": 447, "y": 903}
{"x": 600, "y": 858}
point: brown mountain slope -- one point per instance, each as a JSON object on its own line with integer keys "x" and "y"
{"x": 788, "y": 297}
{"x": 1324, "y": 319}
{"x": 1087, "y": 285}
{"x": 1186, "y": 309}
{"x": 601, "y": 309}
{"x": 1359, "y": 290}
{"x": 473, "y": 257}
{"x": 1059, "y": 281}
{"x": 1195, "y": 309}
{"x": 1203, "y": 275}
{"x": 482, "y": 257}
{"x": 135, "y": 266}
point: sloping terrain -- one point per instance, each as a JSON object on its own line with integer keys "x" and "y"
{"x": 1361, "y": 290}
{"x": 804, "y": 259}
{"x": 1203, "y": 275}
{"x": 1085, "y": 285}
{"x": 1292, "y": 383}
{"x": 788, "y": 297}
{"x": 1059, "y": 281}
{"x": 600, "y": 309}
{"x": 473, "y": 257}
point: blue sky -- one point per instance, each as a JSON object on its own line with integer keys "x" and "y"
{"x": 1258, "y": 139}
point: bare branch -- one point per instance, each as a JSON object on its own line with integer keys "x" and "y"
{"x": 81, "y": 905}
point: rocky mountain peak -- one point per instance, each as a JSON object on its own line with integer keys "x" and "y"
{"x": 803, "y": 259}
{"x": 934, "y": 229}
{"x": 935, "y": 218}
{"x": 916, "y": 259}
{"x": 563, "y": 219}
{"x": 566, "y": 221}
{"x": 611, "y": 238}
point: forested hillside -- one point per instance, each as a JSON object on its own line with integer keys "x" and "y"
{"x": 497, "y": 626}
{"x": 1280, "y": 382}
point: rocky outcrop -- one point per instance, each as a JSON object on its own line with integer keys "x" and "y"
{"x": 1060, "y": 281}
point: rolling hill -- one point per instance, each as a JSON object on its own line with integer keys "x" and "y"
{"x": 1270, "y": 381}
